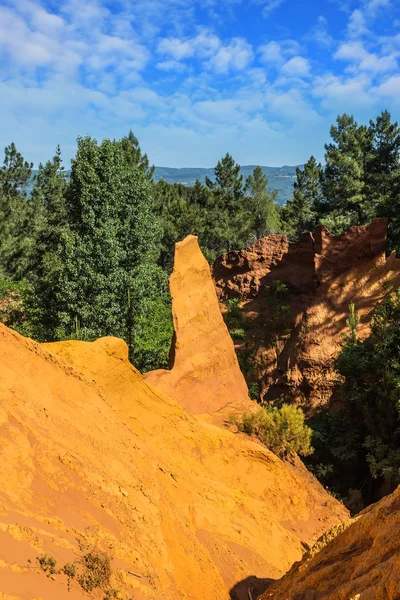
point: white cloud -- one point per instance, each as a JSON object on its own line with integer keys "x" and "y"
{"x": 362, "y": 60}
{"x": 268, "y": 6}
{"x": 357, "y": 25}
{"x": 344, "y": 94}
{"x": 390, "y": 89}
{"x": 372, "y": 6}
{"x": 319, "y": 33}
{"x": 237, "y": 55}
{"x": 175, "y": 48}
{"x": 298, "y": 66}
{"x": 171, "y": 65}
{"x": 276, "y": 53}
{"x": 218, "y": 111}
{"x": 271, "y": 53}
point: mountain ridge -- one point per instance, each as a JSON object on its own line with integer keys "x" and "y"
{"x": 279, "y": 178}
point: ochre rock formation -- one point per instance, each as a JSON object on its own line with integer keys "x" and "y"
{"x": 360, "y": 563}
{"x": 204, "y": 376}
{"x": 324, "y": 274}
{"x": 91, "y": 453}
{"x": 303, "y": 265}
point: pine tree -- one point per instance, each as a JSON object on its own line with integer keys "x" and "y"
{"x": 49, "y": 197}
{"x": 299, "y": 214}
{"x": 344, "y": 183}
{"x": 383, "y": 174}
{"x": 16, "y": 214}
{"x": 262, "y": 206}
{"x": 134, "y": 155}
{"x": 227, "y": 223}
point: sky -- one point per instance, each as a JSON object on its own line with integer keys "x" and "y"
{"x": 261, "y": 79}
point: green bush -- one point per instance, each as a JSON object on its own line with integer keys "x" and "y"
{"x": 282, "y": 430}
{"x": 12, "y": 305}
{"x": 238, "y": 334}
{"x": 233, "y": 317}
{"x": 278, "y": 299}
{"x": 254, "y": 390}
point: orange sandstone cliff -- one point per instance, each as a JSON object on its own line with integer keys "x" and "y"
{"x": 324, "y": 274}
{"x": 360, "y": 563}
{"x": 93, "y": 456}
{"x": 204, "y": 374}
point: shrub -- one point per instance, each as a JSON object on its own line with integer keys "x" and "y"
{"x": 233, "y": 317}
{"x": 278, "y": 300}
{"x": 282, "y": 430}
{"x": 254, "y": 390}
{"x": 96, "y": 571}
{"x": 12, "y": 308}
{"x": 238, "y": 334}
{"x": 47, "y": 564}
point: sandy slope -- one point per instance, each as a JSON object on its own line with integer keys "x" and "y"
{"x": 90, "y": 451}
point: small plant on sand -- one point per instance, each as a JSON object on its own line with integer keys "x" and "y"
{"x": 92, "y": 572}
{"x": 282, "y": 430}
{"x": 47, "y": 564}
{"x": 96, "y": 570}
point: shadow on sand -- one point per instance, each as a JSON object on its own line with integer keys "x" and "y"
{"x": 250, "y": 588}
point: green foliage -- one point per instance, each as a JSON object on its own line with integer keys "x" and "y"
{"x": 109, "y": 237}
{"x": 362, "y": 441}
{"x": 338, "y": 459}
{"x": 152, "y": 328}
{"x": 69, "y": 569}
{"x": 17, "y": 215}
{"x": 352, "y": 323}
{"x": 238, "y": 334}
{"x": 12, "y": 305}
{"x": 233, "y": 317}
{"x": 135, "y": 157}
{"x": 180, "y": 214}
{"x": 228, "y": 220}
{"x": 278, "y": 298}
{"x": 92, "y": 572}
{"x": 47, "y": 564}
{"x": 344, "y": 180}
{"x": 282, "y": 430}
{"x": 96, "y": 571}
{"x": 254, "y": 390}
{"x": 299, "y": 213}
{"x": 262, "y": 206}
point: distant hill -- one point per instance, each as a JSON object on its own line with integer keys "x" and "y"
{"x": 279, "y": 178}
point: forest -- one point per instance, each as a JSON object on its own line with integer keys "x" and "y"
{"x": 86, "y": 252}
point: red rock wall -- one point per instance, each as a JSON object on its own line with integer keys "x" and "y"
{"x": 324, "y": 273}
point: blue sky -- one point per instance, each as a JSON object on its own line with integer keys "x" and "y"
{"x": 194, "y": 79}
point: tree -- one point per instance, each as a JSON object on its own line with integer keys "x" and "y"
{"x": 227, "y": 224}
{"x": 49, "y": 198}
{"x": 344, "y": 181}
{"x": 111, "y": 232}
{"x": 371, "y": 392}
{"x": 16, "y": 214}
{"x": 178, "y": 216}
{"x": 299, "y": 214}
{"x": 384, "y": 174}
{"x": 261, "y": 205}
{"x": 134, "y": 155}
{"x": 15, "y": 173}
